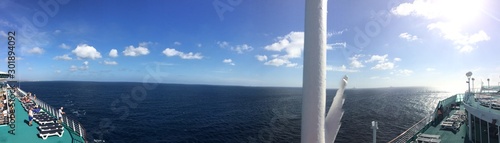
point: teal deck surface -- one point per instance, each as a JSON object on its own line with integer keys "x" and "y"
{"x": 29, "y": 134}
{"x": 448, "y": 136}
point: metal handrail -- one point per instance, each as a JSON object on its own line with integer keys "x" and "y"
{"x": 74, "y": 125}
{"x": 410, "y": 132}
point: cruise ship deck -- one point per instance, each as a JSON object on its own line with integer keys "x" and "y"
{"x": 479, "y": 112}
{"x": 448, "y": 136}
{"x": 29, "y": 134}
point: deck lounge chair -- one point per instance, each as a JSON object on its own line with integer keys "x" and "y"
{"x": 45, "y": 134}
{"x": 429, "y": 136}
{"x": 50, "y": 125}
{"x": 51, "y": 128}
{"x": 428, "y": 140}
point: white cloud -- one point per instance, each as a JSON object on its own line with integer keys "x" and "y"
{"x": 337, "y": 45}
{"x": 377, "y": 58}
{"x": 261, "y": 57}
{"x": 73, "y": 68}
{"x": 382, "y": 62}
{"x": 404, "y": 72}
{"x": 36, "y": 50}
{"x": 84, "y": 51}
{"x": 228, "y": 61}
{"x": 292, "y": 44}
{"x": 330, "y": 34}
{"x": 408, "y": 37}
{"x": 113, "y": 53}
{"x": 63, "y": 57}
{"x": 222, "y": 44}
{"x": 57, "y": 31}
{"x": 137, "y": 51}
{"x": 355, "y": 63}
{"x": 177, "y": 43}
{"x": 3, "y": 34}
{"x": 280, "y": 62}
{"x": 342, "y": 68}
{"x": 64, "y": 46}
{"x": 85, "y": 66}
{"x": 172, "y": 52}
{"x": 430, "y": 69}
{"x": 110, "y": 63}
{"x": 449, "y": 18}
{"x": 463, "y": 42}
{"x": 242, "y": 48}
{"x": 383, "y": 66}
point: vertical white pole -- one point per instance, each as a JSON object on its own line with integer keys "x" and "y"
{"x": 374, "y": 127}
{"x": 314, "y": 73}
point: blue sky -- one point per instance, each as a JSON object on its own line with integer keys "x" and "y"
{"x": 253, "y": 43}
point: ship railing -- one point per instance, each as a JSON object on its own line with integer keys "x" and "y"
{"x": 410, "y": 133}
{"x": 74, "y": 125}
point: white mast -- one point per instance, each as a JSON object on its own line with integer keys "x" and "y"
{"x": 314, "y": 73}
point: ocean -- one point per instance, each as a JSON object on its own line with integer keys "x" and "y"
{"x": 118, "y": 112}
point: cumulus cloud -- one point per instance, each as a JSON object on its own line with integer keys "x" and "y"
{"x": 169, "y": 52}
{"x": 292, "y": 44}
{"x": 261, "y": 57}
{"x": 222, "y": 44}
{"x": 64, "y": 57}
{"x": 448, "y": 17}
{"x": 113, "y": 53}
{"x": 355, "y": 63}
{"x": 64, "y": 46}
{"x": 408, "y": 37}
{"x": 336, "y": 45}
{"x": 240, "y": 49}
{"x": 463, "y": 42}
{"x": 84, "y": 51}
{"x": 136, "y": 51}
{"x": 110, "y": 62}
{"x": 228, "y": 61}
{"x": 36, "y": 50}
{"x": 84, "y": 67}
{"x": 382, "y": 62}
{"x": 290, "y": 47}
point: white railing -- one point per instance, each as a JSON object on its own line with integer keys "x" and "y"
{"x": 407, "y": 135}
{"x": 73, "y": 125}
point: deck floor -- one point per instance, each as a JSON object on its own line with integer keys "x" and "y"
{"x": 448, "y": 136}
{"x": 27, "y": 134}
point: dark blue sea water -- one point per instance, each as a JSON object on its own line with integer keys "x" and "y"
{"x": 136, "y": 112}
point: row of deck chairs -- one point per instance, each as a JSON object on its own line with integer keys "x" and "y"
{"x": 454, "y": 121}
{"x": 48, "y": 125}
{"x": 489, "y": 102}
{"x": 428, "y": 138}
